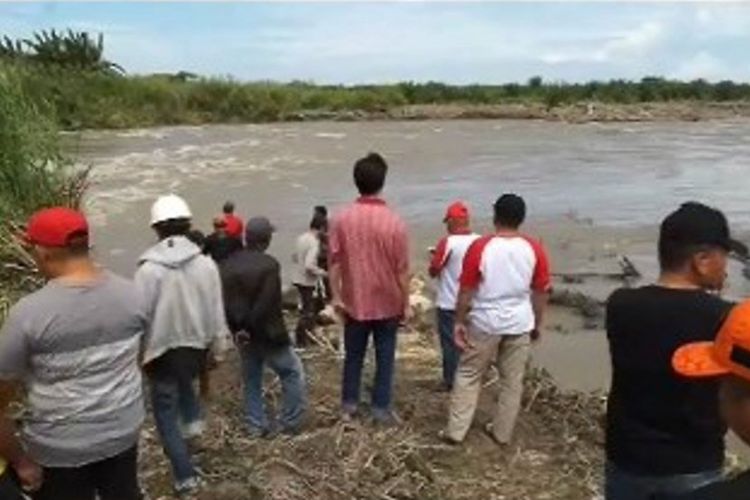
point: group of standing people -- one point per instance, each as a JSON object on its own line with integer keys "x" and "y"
{"x": 81, "y": 345}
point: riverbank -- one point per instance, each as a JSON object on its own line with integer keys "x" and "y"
{"x": 556, "y": 453}
{"x": 104, "y": 100}
{"x": 584, "y": 112}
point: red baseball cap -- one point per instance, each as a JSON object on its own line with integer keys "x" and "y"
{"x": 457, "y": 210}
{"x": 56, "y": 227}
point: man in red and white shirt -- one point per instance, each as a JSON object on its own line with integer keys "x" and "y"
{"x": 446, "y": 267}
{"x": 369, "y": 273}
{"x": 505, "y": 284}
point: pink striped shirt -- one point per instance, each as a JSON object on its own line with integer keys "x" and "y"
{"x": 369, "y": 242}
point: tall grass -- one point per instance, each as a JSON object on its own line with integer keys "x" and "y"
{"x": 91, "y": 99}
{"x": 33, "y": 174}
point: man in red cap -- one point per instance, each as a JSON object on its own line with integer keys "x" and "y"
{"x": 727, "y": 359}
{"x": 74, "y": 346}
{"x": 445, "y": 265}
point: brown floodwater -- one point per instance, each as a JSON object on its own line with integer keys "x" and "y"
{"x": 594, "y": 191}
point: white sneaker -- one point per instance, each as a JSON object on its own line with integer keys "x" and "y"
{"x": 193, "y": 430}
{"x": 188, "y": 486}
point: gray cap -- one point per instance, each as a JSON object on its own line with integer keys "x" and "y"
{"x": 258, "y": 228}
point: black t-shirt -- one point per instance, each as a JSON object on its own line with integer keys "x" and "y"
{"x": 221, "y": 246}
{"x": 659, "y": 423}
{"x": 733, "y": 489}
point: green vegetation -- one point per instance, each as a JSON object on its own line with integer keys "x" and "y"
{"x": 33, "y": 174}
{"x": 68, "y": 72}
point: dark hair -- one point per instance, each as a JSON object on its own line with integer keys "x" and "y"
{"x": 318, "y": 222}
{"x": 320, "y": 210}
{"x": 78, "y": 245}
{"x": 228, "y": 207}
{"x": 369, "y": 174}
{"x": 510, "y": 211}
{"x": 673, "y": 255}
{"x": 172, "y": 227}
{"x": 691, "y": 229}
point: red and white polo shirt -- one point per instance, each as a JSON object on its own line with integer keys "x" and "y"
{"x": 446, "y": 266}
{"x": 504, "y": 270}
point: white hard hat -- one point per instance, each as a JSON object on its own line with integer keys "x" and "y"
{"x": 169, "y": 207}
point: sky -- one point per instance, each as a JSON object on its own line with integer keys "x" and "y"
{"x": 358, "y": 42}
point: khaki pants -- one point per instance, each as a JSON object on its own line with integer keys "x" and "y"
{"x": 511, "y": 353}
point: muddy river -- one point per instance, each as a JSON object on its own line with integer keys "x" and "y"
{"x": 594, "y": 191}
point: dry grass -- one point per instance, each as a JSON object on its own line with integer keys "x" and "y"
{"x": 556, "y": 454}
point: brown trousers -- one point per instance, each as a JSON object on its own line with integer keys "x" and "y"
{"x": 510, "y": 353}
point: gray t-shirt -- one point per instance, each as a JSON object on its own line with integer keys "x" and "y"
{"x": 75, "y": 348}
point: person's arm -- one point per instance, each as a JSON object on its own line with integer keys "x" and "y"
{"x": 402, "y": 267}
{"x": 14, "y": 355}
{"x": 147, "y": 281}
{"x": 541, "y": 285}
{"x": 311, "y": 260}
{"x": 439, "y": 258}
{"x": 220, "y": 341}
{"x": 270, "y": 292}
{"x": 334, "y": 269}
{"x": 471, "y": 277}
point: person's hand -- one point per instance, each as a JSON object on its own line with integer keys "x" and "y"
{"x": 461, "y": 337}
{"x": 407, "y": 314}
{"x": 339, "y": 308}
{"x": 535, "y": 335}
{"x": 29, "y": 474}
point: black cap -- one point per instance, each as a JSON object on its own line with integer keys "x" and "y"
{"x": 698, "y": 224}
{"x": 258, "y": 228}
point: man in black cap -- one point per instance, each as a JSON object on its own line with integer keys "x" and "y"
{"x": 663, "y": 432}
{"x": 252, "y": 297}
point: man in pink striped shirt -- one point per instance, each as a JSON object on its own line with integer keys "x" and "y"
{"x": 369, "y": 273}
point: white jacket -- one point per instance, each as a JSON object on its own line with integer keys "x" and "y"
{"x": 181, "y": 289}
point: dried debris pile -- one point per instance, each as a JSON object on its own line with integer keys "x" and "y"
{"x": 556, "y": 455}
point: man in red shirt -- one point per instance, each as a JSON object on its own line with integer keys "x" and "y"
{"x": 369, "y": 273}
{"x": 504, "y": 289}
{"x": 234, "y": 227}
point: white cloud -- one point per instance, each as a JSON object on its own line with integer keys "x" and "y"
{"x": 709, "y": 67}
{"x": 630, "y": 44}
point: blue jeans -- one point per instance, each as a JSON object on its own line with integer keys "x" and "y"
{"x": 445, "y": 320}
{"x": 621, "y": 485}
{"x": 174, "y": 401}
{"x": 356, "y": 337}
{"x": 288, "y": 367}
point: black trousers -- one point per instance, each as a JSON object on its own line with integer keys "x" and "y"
{"x": 114, "y": 478}
{"x": 306, "y": 321}
{"x": 9, "y": 489}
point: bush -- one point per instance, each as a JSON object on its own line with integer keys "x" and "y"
{"x": 33, "y": 172}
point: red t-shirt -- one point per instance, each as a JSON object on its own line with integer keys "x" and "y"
{"x": 234, "y": 226}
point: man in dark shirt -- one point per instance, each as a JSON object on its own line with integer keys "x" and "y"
{"x": 663, "y": 432}
{"x": 219, "y": 245}
{"x": 728, "y": 358}
{"x": 252, "y": 297}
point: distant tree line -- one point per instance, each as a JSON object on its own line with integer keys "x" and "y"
{"x": 68, "y": 70}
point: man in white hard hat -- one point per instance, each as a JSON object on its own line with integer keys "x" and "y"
{"x": 182, "y": 291}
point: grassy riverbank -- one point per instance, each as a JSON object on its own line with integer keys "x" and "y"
{"x": 90, "y": 99}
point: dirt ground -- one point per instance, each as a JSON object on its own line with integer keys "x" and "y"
{"x": 556, "y": 453}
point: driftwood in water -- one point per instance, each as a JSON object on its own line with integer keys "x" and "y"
{"x": 628, "y": 272}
